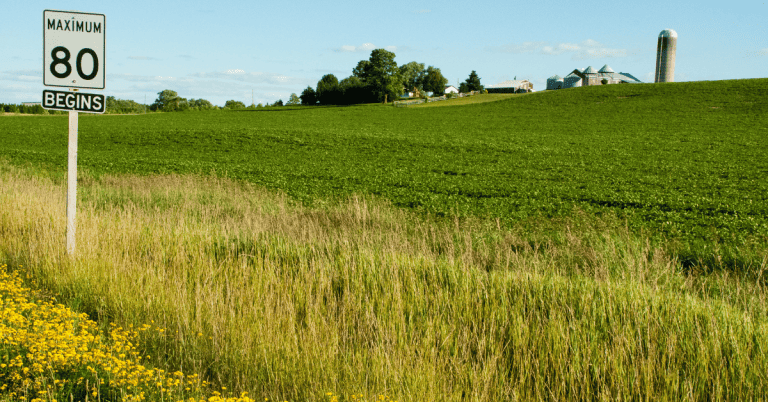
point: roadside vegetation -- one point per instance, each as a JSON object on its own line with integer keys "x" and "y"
{"x": 512, "y": 250}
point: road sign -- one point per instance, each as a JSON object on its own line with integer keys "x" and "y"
{"x": 77, "y": 101}
{"x": 74, "y": 49}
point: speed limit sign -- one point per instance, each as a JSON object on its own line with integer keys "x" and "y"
{"x": 73, "y": 49}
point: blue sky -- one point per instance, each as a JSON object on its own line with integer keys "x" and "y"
{"x": 227, "y": 50}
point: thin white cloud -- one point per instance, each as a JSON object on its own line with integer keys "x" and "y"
{"x": 588, "y": 49}
{"x": 560, "y": 48}
{"x": 591, "y": 49}
{"x": 17, "y": 74}
{"x": 364, "y": 48}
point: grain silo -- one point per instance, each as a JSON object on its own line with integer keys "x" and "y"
{"x": 665, "y": 56}
{"x": 554, "y": 82}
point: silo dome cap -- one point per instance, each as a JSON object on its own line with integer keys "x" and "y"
{"x": 668, "y": 33}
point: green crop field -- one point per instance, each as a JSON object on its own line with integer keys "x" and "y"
{"x": 599, "y": 243}
{"x": 686, "y": 162}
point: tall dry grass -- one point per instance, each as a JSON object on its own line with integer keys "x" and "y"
{"x": 290, "y": 302}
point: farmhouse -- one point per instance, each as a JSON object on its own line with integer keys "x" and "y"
{"x": 511, "y": 87}
{"x": 450, "y": 89}
{"x": 589, "y": 76}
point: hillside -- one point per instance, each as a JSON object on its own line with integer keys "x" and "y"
{"x": 682, "y": 160}
{"x": 604, "y": 243}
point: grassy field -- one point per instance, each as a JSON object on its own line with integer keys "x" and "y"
{"x": 602, "y": 243}
{"x": 685, "y": 162}
{"x": 468, "y": 100}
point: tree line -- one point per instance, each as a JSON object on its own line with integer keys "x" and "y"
{"x": 377, "y": 79}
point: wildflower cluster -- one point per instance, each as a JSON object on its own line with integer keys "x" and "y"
{"x": 332, "y": 397}
{"x": 49, "y": 352}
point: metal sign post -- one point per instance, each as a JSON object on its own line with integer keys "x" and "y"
{"x": 74, "y": 50}
{"x": 72, "y": 182}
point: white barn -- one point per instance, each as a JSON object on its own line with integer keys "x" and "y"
{"x": 450, "y": 89}
{"x": 510, "y": 87}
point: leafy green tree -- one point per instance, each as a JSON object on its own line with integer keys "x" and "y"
{"x": 351, "y": 82}
{"x": 294, "y": 100}
{"x": 115, "y": 106}
{"x": 434, "y": 81}
{"x": 382, "y": 75}
{"x": 413, "y": 75}
{"x": 233, "y": 104}
{"x": 473, "y": 82}
{"x": 178, "y": 104}
{"x": 308, "y": 96}
{"x": 355, "y": 91}
{"x": 278, "y": 102}
{"x": 201, "y": 104}
{"x": 164, "y": 98}
{"x": 359, "y": 70}
{"x": 328, "y": 90}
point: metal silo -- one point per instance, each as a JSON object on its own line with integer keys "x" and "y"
{"x": 553, "y": 81}
{"x": 665, "y": 56}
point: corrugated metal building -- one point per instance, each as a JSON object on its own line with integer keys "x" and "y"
{"x": 511, "y": 87}
{"x": 589, "y": 76}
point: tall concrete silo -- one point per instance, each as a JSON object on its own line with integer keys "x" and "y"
{"x": 665, "y": 56}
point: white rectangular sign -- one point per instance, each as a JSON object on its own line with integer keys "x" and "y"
{"x": 74, "y": 49}
{"x": 77, "y": 101}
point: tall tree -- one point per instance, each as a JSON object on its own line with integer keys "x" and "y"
{"x": 328, "y": 90}
{"x": 434, "y": 81}
{"x": 359, "y": 70}
{"x": 382, "y": 75}
{"x": 293, "y": 100}
{"x": 308, "y": 96}
{"x": 355, "y": 91}
{"x": 473, "y": 82}
{"x": 164, "y": 98}
{"x": 413, "y": 75}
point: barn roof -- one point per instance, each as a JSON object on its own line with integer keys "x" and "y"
{"x": 606, "y": 69}
{"x": 508, "y": 84}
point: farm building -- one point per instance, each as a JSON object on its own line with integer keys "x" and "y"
{"x": 589, "y": 76}
{"x": 555, "y": 82}
{"x": 450, "y": 89}
{"x": 511, "y": 87}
